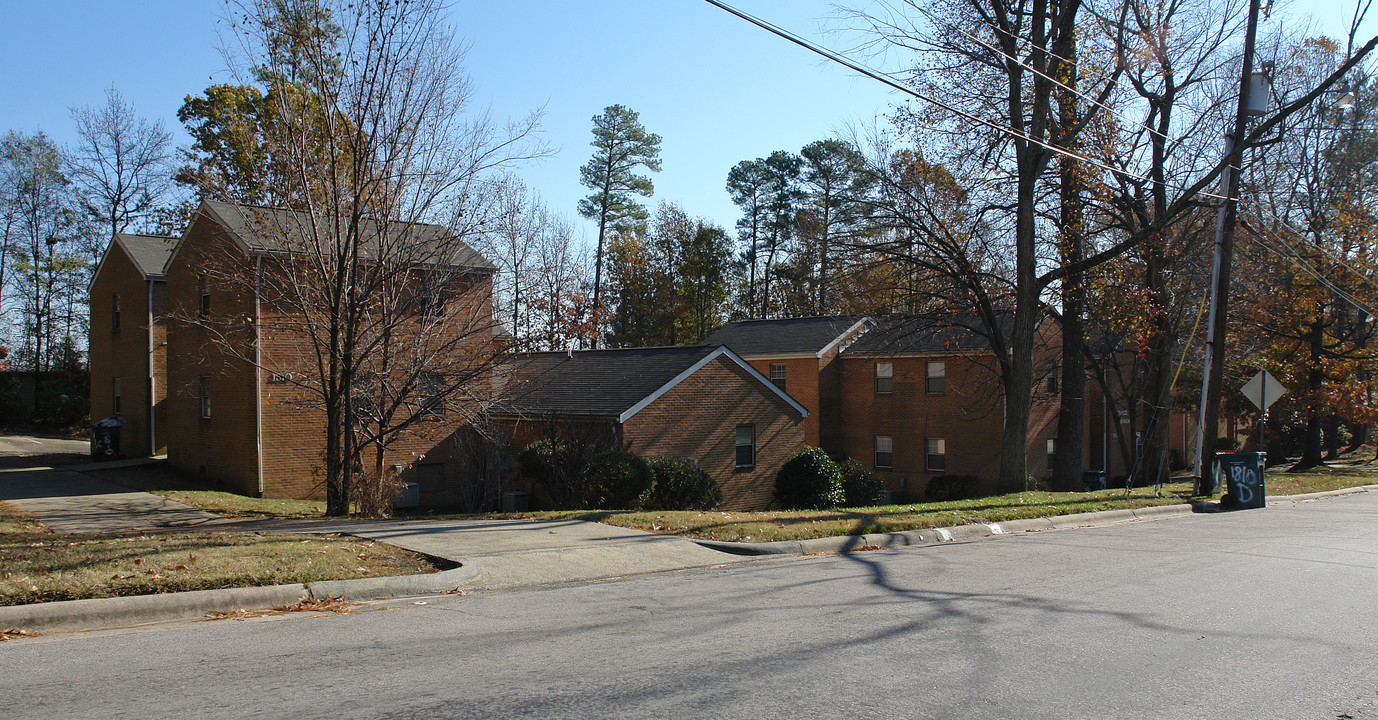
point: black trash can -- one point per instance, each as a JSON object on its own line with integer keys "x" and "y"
{"x": 1093, "y": 479}
{"x": 1243, "y": 475}
{"x": 105, "y": 438}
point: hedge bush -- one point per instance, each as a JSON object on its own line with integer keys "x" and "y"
{"x": 681, "y": 485}
{"x": 586, "y": 476}
{"x": 860, "y": 486}
{"x": 809, "y": 480}
{"x": 945, "y": 488}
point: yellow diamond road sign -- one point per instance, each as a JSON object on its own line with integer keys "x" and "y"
{"x": 1263, "y": 390}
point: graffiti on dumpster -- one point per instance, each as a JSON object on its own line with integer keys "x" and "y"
{"x": 1245, "y": 481}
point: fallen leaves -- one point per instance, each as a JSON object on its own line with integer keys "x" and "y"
{"x": 335, "y": 604}
{"x": 15, "y": 634}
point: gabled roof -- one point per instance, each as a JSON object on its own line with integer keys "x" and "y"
{"x": 149, "y": 253}
{"x": 789, "y": 336}
{"x": 957, "y": 333}
{"x": 260, "y": 230}
{"x": 609, "y": 384}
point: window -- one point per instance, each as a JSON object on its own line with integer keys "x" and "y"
{"x": 885, "y": 456}
{"x": 885, "y": 377}
{"x": 115, "y": 311}
{"x": 432, "y": 295}
{"x": 115, "y": 395}
{"x": 936, "y": 455}
{"x": 428, "y": 393}
{"x": 205, "y": 290}
{"x": 777, "y": 375}
{"x": 205, "y": 397}
{"x": 1052, "y": 454}
{"x": 746, "y": 445}
{"x": 937, "y": 377}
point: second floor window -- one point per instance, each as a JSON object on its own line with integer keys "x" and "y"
{"x": 885, "y": 377}
{"x": 429, "y": 395}
{"x": 777, "y": 375}
{"x": 937, "y": 377}
{"x": 115, "y": 311}
{"x": 205, "y": 383}
{"x": 204, "y": 289}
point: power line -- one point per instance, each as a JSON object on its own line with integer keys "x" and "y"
{"x": 898, "y": 85}
{"x": 1298, "y": 261}
{"x": 1059, "y": 83}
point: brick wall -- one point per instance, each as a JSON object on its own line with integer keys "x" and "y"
{"x": 698, "y": 420}
{"x": 124, "y": 352}
{"x": 967, "y": 416}
{"x": 801, "y": 383}
{"x": 223, "y": 447}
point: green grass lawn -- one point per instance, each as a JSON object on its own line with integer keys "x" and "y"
{"x": 37, "y": 565}
{"x": 776, "y": 524}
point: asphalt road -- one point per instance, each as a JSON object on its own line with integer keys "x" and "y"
{"x": 1255, "y": 614}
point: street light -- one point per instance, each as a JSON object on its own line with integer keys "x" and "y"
{"x": 1347, "y": 96}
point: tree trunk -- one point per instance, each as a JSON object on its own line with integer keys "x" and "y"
{"x": 1312, "y": 446}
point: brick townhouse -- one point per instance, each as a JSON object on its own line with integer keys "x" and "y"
{"x": 128, "y": 340}
{"x": 802, "y": 357}
{"x": 239, "y": 406}
{"x": 703, "y": 403}
{"x": 911, "y": 400}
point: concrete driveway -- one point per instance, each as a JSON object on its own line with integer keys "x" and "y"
{"x": 21, "y": 445}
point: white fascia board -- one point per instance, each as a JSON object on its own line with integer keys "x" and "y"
{"x": 710, "y": 357}
{"x": 848, "y": 333}
{"x": 781, "y": 356}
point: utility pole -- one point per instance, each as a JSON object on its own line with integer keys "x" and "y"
{"x": 1213, "y": 374}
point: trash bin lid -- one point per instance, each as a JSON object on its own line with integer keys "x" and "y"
{"x": 113, "y": 421}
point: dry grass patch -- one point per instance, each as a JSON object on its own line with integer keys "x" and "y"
{"x": 166, "y": 481}
{"x": 37, "y": 565}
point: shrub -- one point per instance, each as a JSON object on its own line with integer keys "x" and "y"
{"x": 809, "y": 481}
{"x": 617, "y": 479}
{"x": 681, "y": 485}
{"x": 860, "y": 486}
{"x": 586, "y": 475}
{"x": 946, "y": 488}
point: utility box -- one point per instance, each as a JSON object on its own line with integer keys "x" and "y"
{"x": 1243, "y": 475}
{"x": 516, "y": 501}
{"x": 410, "y": 497}
{"x": 105, "y": 438}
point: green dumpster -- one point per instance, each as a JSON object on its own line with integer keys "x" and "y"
{"x": 1243, "y": 475}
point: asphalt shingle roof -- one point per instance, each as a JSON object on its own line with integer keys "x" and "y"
{"x": 149, "y": 252}
{"x": 912, "y": 334}
{"x": 592, "y": 383}
{"x": 786, "y": 336}
{"x": 263, "y": 230}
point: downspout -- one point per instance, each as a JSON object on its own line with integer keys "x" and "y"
{"x": 152, "y": 383}
{"x": 258, "y": 368}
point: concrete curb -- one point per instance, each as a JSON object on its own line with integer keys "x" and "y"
{"x": 976, "y": 531}
{"x": 106, "y": 613}
{"x": 956, "y": 533}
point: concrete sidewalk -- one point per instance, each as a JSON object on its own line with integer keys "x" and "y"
{"x": 71, "y": 502}
{"x": 513, "y": 553}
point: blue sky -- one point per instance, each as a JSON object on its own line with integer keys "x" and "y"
{"x": 716, "y": 89}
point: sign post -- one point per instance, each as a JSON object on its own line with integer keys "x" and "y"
{"x": 1263, "y": 390}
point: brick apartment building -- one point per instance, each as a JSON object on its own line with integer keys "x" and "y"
{"x": 239, "y": 403}
{"x": 128, "y": 340}
{"x": 910, "y": 400}
{"x": 702, "y": 403}
{"x": 230, "y": 375}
